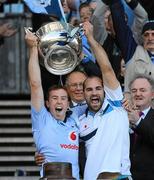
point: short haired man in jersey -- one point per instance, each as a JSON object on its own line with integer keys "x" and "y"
{"x": 74, "y": 85}
{"x": 105, "y": 126}
{"x": 55, "y": 134}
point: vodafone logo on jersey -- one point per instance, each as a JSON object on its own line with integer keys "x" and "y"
{"x": 72, "y": 136}
{"x": 69, "y": 146}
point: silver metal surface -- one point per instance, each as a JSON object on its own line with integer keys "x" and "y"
{"x": 59, "y": 47}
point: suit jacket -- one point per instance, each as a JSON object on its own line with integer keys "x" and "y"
{"x": 142, "y": 152}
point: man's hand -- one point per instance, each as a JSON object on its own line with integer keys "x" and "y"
{"x": 127, "y": 104}
{"x": 31, "y": 39}
{"x": 2, "y": 1}
{"x": 39, "y": 159}
{"x": 133, "y": 111}
{"x": 6, "y": 30}
{"x": 133, "y": 114}
{"x": 88, "y": 30}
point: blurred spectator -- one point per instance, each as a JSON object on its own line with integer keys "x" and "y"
{"x": 106, "y": 20}
{"x": 6, "y": 30}
{"x": 70, "y": 12}
{"x": 108, "y": 38}
{"x": 85, "y": 12}
{"x": 139, "y": 57}
{"x": 67, "y": 11}
{"x": 89, "y": 62}
{"x": 2, "y": 1}
{"x": 121, "y": 74}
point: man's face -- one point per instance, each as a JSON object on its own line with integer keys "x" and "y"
{"x": 106, "y": 19}
{"x": 58, "y": 103}
{"x": 93, "y": 5}
{"x": 122, "y": 67}
{"x": 75, "y": 86}
{"x": 94, "y": 93}
{"x": 141, "y": 93}
{"x": 85, "y": 14}
{"x": 65, "y": 6}
{"x": 110, "y": 25}
{"x": 148, "y": 39}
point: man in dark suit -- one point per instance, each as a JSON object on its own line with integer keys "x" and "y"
{"x": 141, "y": 118}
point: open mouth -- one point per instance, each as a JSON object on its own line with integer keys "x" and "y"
{"x": 58, "y": 109}
{"x": 95, "y": 100}
{"x": 138, "y": 98}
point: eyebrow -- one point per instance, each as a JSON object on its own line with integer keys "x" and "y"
{"x": 94, "y": 87}
{"x": 58, "y": 96}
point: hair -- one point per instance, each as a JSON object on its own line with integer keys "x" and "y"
{"x": 151, "y": 81}
{"x": 92, "y": 77}
{"x": 56, "y": 87}
{"x": 148, "y": 25}
{"x": 75, "y": 71}
{"x": 83, "y": 5}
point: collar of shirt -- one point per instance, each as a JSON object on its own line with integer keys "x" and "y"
{"x": 145, "y": 111}
{"x": 78, "y": 104}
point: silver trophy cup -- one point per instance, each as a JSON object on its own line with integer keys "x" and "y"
{"x": 59, "y": 47}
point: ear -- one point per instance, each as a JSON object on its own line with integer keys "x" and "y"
{"x": 47, "y": 103}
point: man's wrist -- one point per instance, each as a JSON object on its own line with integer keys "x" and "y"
{"x": 33, "y": 50}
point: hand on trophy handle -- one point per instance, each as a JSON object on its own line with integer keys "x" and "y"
{"x": 88, "y": 30}
{"x": 28, "y": 29}
{"x": 31, "y": 38}
{"x": 81, "y": 29}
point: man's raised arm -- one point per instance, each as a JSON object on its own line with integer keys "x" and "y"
{"x": 37, "y": 97}
{"x": 108, "y": 74}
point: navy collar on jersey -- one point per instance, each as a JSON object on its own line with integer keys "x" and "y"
{"x": 92, "y": 113}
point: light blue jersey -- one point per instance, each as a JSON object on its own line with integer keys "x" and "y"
{"x": 106, "y": 136}
{"x": 55, "y": 139}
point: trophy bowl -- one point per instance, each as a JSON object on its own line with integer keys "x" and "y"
{"x": 59, "y": 52}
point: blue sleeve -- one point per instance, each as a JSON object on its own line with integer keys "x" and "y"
{"x": 124, "y": 35}
{"x": 38, "y": 118}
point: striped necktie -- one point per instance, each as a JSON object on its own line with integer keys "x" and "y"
{"x": 141, "y": 113}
